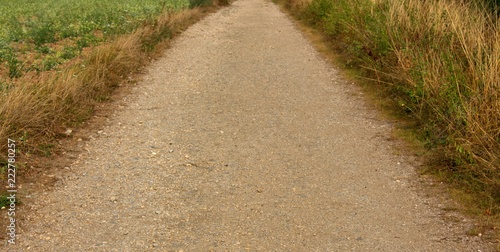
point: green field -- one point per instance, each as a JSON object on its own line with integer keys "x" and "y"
{"x": 40, "y": 35}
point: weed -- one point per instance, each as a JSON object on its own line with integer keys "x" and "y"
{"x": 49, "y": 63}
{"x": 15, "y": 67}
{"x": 198, "y": 3}
{"x": 46, "y": 149}
{"x": 44, "y": 49}
{"x": 68, "y": 52}
{"x": 42, "y": 33}
{"x": 4, "y": 202}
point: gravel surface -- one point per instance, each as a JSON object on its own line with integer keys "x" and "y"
{"x": 241, "y": 138}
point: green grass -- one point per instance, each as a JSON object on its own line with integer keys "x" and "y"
{"x": 41, "y": 35}
{"x": 4, "y": 202}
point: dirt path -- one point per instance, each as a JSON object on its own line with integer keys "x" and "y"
{"x": 240, "y": 138}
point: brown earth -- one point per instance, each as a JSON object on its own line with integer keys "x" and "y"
{"x": 241, "y": 138}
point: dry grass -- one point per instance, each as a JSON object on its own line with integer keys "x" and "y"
{"x": 449, "y": 52}
{"x": 448, "y": 55}
{"x": 298, "y": 4}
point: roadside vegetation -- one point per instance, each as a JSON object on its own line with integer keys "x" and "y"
{"x": 59, "y": 58}
{"x": 41, "y": 35}
{"x": 439, "y": 63}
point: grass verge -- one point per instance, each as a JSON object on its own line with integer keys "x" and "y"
{"x": 439, "y": 63}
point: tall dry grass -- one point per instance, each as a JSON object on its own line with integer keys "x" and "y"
{"x": 448, "y": 59}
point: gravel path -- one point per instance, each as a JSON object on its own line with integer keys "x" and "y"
{"x": 240, "y": 138}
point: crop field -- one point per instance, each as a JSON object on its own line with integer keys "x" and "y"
{"x": 39, "y": 36}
